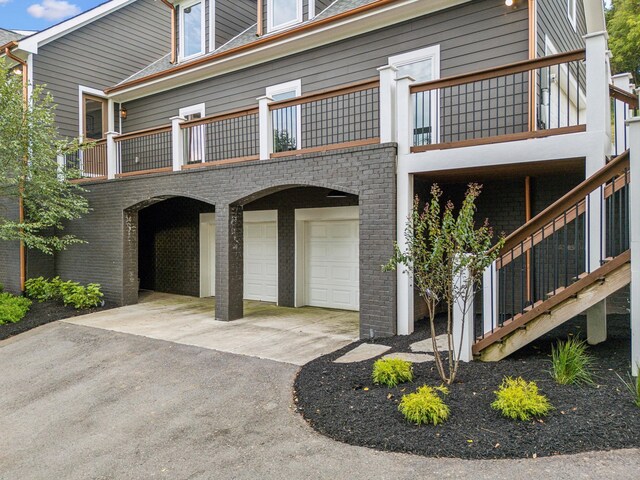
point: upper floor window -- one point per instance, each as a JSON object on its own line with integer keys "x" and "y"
{"x": 283, "y": 13}
{"x": 192, "y": 27}
{"x": 286, "y": 121}
{"x": 572, "y": 12}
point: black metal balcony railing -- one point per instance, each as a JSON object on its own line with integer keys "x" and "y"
{"x": 146, "y": 150}
{"x": 90, "y": 163}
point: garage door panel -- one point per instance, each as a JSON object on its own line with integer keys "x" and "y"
{"x": 261, "y": 261}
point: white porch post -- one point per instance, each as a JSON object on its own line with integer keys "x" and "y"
{"x": 177, "y": 142}
{"x": 112, "y": 155}
{"x": 463, "y": 320}
{"x": 266, "y": 127}
{"x": 490, "y": 298}
{"x": 598, "y": 125}
{"x": 387, "y": 103}
{"x": 404, "y": 188}
{"x": 634, "y": 215}
{"x": 624, "y": 82}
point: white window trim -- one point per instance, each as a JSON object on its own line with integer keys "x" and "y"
{"x": 572, "y": 18}
{"x": 94, "y": 92}
{"x": 271, "y": 27}
{"x": 190, "y": 110}
{"x": 295, "y": 85}
{"x": 433, "y": 53}
{"x": 212, "y": 25}
{"x": 202, "y": 28}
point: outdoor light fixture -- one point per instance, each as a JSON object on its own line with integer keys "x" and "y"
{"x": 508, "y": 3}
{"x": 123, "y": 113}
{"x": 336, "y": 194}
{"x": 17, "y": 71}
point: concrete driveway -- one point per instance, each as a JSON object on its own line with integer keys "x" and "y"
{"x": 307, "y": 332}
{"x": 85, "y": 403}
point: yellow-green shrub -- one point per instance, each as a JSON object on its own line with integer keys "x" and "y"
{"x": 519, "y": 400}
{"x": 392, "y": 371}
{"x": 12, "y": 308}
{"x": 425, "y": 406}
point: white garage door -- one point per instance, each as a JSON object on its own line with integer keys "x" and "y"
{"x": 260, "y": 257}
{"x": 331, "y": 264}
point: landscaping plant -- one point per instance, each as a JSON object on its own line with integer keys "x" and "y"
{"x": 69, "y": 292}
{"x": 633, "y": 386}
{"x": 518, "y": 399}
{"x": 571, "y": 363}
{"x": 441, "y": 247}
{"x": 12, "y": 308}
{"x": 425, "y": 405}
{"x": 392, "y": 371}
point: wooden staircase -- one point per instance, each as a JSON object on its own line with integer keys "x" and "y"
{"x": 523, "y": 313}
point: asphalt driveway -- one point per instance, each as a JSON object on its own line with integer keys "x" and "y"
{"x": 85, "y": 403}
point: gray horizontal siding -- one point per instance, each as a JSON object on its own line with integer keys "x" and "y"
{"x": 101, "y": 54}
{"x": 477, "y": 35}
{"x": 553, "y": 22}
{"x": 233, "y": 17}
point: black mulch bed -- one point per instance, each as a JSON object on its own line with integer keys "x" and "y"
{"x": 333, "y": 399}
{"x": 42, "y": 313}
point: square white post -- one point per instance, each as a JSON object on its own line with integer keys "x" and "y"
{"x": 387, "y": 103}
{"x": 177, "y": 142}
{"x": 404, "y": 118}
{"x": 463, "y": 318}
{"x": 624, "y": 82}
{"x": 266, "y": 127}
{"x": 490, "y": 298}
{"x": 634, "y": 216}
{"x": 404, "y": 290}
{"x": 112, "y": 155}
{"x": 598, "y": 125}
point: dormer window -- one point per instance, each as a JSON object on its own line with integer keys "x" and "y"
{"x": 192, "y": 28}
{"x": 283, "y": 13}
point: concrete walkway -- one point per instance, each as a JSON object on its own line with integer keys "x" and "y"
{"x": 85, "y": 403}
{"x": 291, "y": 335}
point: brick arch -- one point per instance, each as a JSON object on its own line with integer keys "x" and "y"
{"x": 138, "y": 205}
{"x": 264, "y": 192}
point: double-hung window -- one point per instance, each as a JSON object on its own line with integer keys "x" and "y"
{"x": 192, "y": 28}
{"x": 283, "y": 13}
{"x": 287, "y": 120}
{"x": 422, "y": 65}
{"x": 195, "y": 141}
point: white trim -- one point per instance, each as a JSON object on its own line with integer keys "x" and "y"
{"x": 190, "y": 110}
{"x": 295, "y": 86}
{"x": 271, "y": 27}
{"x": 573, "y": 17}
{"x": 260, "y": 216}
{"x": 203, "y": 31}
{"x": 212, "y": 25}
{"x": 82, "y": 90}
{"x": 31, "y": 44}
{"x": 312, "y": 9}
{"x": 30, "y": 77}
{"x": 207, "y": 255}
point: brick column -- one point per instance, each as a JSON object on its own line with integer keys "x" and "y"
{"x": 286, "y": 257}
{"x": 229, "y": 262}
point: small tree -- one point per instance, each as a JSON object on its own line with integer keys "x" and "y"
{"x": 445, "y": 257}
{"x": 29, "y": 171}
{"x": 623, "y": 26}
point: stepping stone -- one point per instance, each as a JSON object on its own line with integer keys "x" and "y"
{"x": 412, "y": 357}
{"x": 362, "y": 352}
{"x": 426, "y": 345}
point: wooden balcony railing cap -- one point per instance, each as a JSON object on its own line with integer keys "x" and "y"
{"x": 326, "y": 93}
{"x": 240, "y": 112}
{"x": 485, "y": 74}
{"x": 143, "y": 133}
{"x": 624, "y": 96}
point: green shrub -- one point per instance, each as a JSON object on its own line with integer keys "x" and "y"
{"x": 38, "y": 289}
{"x": 1, "y": 288}
{"x": 392, "y": 371}
{"x": 571, "y": 363}
{"x": 633, "y": 385}
{"x": 519, "y": 400}
{"x": 69, "y": 292}
{"x": 425, "y": 406}
{"x": 12, "y": 308}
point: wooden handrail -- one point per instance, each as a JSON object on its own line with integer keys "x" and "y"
{"x": 241, "y": 112}
{"x": 624, "y": 96}
{"x": 553, "y": 211}
{"x": 327, "y": 93}
{"x": 143, "y": 133}
{"x": 517, "y": 67}
{"x": 97, "y": 143}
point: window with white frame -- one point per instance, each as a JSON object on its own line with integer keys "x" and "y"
{"x": 286, "y": 121}
{"x": 195, "y": 141}
{"x": 422, "y": 65}
{"x": 192, "y": 29}
{"x": 283, "y": 13}
{"x": 572, "y": 12}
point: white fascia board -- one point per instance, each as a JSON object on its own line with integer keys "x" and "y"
{"x": 329, "y": 33}
{"x": 31, "y": 44}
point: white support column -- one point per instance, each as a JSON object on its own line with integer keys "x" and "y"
{"x": 624, "y": 82}
{"x": 490, "y": 298}
{"x": 112, "y": 155}
{"x": 404, "y": 118}
{"x": 598, "y": 125}
{"x": 387, "y": 103}
{"x": 177, "y": 142}
{"x": 266, "y": 127}
{"x": 405, "y": 305}
{"x": 61, "y": 165}
{"x": 634, "y": 215}
{"x": 463, "y": 320}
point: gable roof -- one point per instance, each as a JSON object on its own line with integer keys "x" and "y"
{"x": 7, "y": 36}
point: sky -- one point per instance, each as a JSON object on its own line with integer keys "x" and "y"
{"x": 40, "y": 14}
